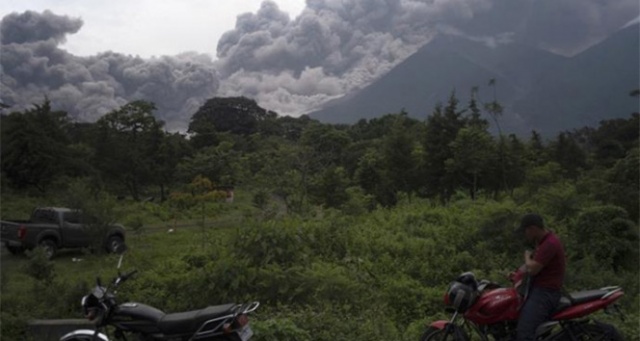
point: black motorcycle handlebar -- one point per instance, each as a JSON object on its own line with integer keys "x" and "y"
{"x": 121, "y": 278}
{"x": 127, "y": 276}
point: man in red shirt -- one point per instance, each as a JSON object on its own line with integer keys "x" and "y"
{"x": 546, "y": 266}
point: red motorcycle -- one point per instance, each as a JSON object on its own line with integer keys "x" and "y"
{"x": 490, "y": 310}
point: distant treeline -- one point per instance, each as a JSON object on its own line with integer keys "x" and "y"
{"x": 305, "y": 163}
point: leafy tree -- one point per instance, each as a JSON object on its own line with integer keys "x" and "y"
{"x": 475, "y": 118}
{"x": 397, "y": 153}
{"x": 288, "y": 173}
{"x": 471, "y": 157}
{"x": 606, "y": 233}
{"x": 173, "y": 148}
{"x": 614, "y": 138}
{"x": 536, "y": 150}
{"x": 329, "y": 187}
{"x": 441, "y": 130}
{"x": 624, "y": 183}
{"x": 495, "y": 111}
{"x": 237, "y": 115}
{"x": 291, "y": 128}
{"x": 494, "y": 108}
{"x": 326, "y": 142}
{"x": 35, "y": 147}
{"x": 127, "y": 142}
{"x": 371, "y": 177}
{"x": 516, "y": 162}
{"x": 354, "y": 152}
{"x": 203, "y": 135}
{"x": 221, "y": 164}
{"x": 569, "y": 155}
{"x": 542, "y": 176}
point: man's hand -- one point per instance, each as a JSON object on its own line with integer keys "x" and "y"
{"x": 527, "y": 255}
{"x": 533, "y": 267}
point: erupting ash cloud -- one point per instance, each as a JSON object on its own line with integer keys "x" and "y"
{"x": 291, "y": 66}
{"x": 34, "y": 66}
{"x": 331, "y": 48}
{"x": 336, "y": 46}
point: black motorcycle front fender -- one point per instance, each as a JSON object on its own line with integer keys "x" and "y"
{"x": 84, "y": 335}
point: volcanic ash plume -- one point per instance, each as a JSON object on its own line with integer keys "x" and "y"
{"x": 34, "y": 66}
{"x": 336, "y": 46}
{"x": 291, "y": 66}
{"x": 331, "y": 48}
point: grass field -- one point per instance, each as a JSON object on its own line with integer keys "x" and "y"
{"x": 144, "y": 251}
{"x": 323, "y": 277}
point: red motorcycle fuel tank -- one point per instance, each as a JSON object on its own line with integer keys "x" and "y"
{"x": 494, "y": 306}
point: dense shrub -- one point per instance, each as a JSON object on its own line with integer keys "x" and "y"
{"x": 333, "y": 276}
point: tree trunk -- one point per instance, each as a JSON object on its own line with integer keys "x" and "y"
{"x": 475, "y": 186}
{"x": 162, "y": 195}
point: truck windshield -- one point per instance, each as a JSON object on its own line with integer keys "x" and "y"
{"x": 44, "y": 216}
{"x": 72, "y": 217}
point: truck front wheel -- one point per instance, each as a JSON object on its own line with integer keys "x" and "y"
{"x": 115, "y": 244}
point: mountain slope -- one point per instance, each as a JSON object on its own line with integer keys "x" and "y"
{"x": 539, "y": 90}
{"x": 592, "y": 86}
{"x": 446, "y": 64}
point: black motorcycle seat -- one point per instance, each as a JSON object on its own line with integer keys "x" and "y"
{"x": 586, "y": 296}
{"x": 190, "y": 321}
{"x": 580, "y": 297}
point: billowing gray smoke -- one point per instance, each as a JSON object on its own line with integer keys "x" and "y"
{"x": 333, "y": 47}
{"x": 34, "y": 66}
{"x": 336, "y": 46}
{"x": 31, "y": 27}
{"x": 288, "y": 65}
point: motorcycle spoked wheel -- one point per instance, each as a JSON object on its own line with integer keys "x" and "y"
{"x": 597, "y": 331}
{"x": 435, "y": 334}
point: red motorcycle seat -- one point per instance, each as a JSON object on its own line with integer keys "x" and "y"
{"x": 190, "y": 321}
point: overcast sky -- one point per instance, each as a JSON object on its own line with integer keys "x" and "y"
{"x": 148, "y": 27}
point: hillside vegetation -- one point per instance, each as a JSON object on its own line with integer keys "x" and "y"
{"x": 342, "y": 232}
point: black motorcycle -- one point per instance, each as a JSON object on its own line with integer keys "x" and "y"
{"x": 227, "y": 322}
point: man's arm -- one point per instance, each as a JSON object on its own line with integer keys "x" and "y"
{"x": 533, "y": 267}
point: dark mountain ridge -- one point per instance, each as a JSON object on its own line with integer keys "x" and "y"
{"x": 538, "y": 89}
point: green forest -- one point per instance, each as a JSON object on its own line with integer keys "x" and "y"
{"x": 342, "y": 232}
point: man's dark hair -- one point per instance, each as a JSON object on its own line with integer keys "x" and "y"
{"x": 531, "y": 219}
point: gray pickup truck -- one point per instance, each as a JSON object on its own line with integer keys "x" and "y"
{"x": 55, "y": 228}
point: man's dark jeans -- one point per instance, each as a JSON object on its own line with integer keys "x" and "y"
{"x": 536, "y": 310}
